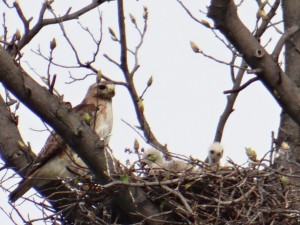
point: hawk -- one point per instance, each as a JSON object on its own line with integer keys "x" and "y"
{"x": 56, "y": 160}
{"x": 215, "y": 153}
{"x": 154, "y": 159}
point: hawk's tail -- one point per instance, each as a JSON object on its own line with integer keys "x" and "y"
{"x": 23, "y": 187}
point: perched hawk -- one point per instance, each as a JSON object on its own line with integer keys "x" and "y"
{"x": 56, "y": 160}
{"x": 215, "y": 153}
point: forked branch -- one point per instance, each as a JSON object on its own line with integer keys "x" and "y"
{"x": 137, "y": 101}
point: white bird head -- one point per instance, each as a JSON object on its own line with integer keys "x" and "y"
{"x": 153, "y": 156}
{"x": 215, "y": 152}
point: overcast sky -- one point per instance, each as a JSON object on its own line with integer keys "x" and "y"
{"x": 186, "y": 99}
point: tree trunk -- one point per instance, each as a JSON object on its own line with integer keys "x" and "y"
{"x": 289, "y": 131}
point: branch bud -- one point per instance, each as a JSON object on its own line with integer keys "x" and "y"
{"x": 145, "y": 16}
{"x": 140, "y": 105}
{"x": 195, "y": 47}
{"x": 136, "y": 145}
{"x": 261, "y": 14}
{"x": 264, "y": 4}
{"x": 99, "y": 76}
{"x": 113, "y": 35}
{"x": 53, "y": 44}
{"x": 150, "y": 81}
{"x": 251, "y": 154}
{"x": 133, "y": 20}
{"x": 18, "y": 35}
{"x": 205, "y": 23}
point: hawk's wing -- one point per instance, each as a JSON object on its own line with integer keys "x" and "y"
{"x": 54, "y": 144}
{"x": 53, "y": 159}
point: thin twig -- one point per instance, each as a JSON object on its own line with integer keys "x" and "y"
{"x": 242, "y": 87}
{"x": 149, "y": 136}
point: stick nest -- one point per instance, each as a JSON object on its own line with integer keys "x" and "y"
{"x": 226, "y": 195}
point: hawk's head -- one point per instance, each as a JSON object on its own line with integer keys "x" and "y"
{"x": 216, "y": 151}
{"x": 102, "y": 90}
{"x": 152, "y": 156}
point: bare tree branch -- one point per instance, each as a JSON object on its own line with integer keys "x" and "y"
{"x": 137, "y": 102}
{"x": 237, "y": 81}
{"x": 230, "y": 103}
{"x": 242, "y": 87}
{"x": 282, "y": 40}
{"x": 30, "y": 33}
{"x": 224, "y": 14}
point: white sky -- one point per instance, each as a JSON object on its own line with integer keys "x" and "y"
{"x": 186, "y": 99}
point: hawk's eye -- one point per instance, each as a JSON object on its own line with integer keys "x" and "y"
{"x": 101, "y": 87}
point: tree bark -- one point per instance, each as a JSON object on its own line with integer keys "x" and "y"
{"x": 12, "y": 148}
{"x": 289, "y": 131}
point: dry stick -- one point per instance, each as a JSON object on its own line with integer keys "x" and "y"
{"x": 230, "y": 202}
{"x": 134, "y": 129}
{"x": 70, "y": 44}
{"x": 148, "y": 183}
{"x": 18, "y": 212}
{"x": 151, "y": 139}
{"x": 151, "y": 218}
{"x": 22, "y": 16}
{"x": 180, "y": 196}
{"x": 273, "y": 148}
{"x": 30, "y": 33}
{"x": 87, "y": 64}
{"x": 219, "y": 198}
{"x": 264, "y": 25}
{"x": 52, "y": 84}
{"x": 242, "y": 87}
{"x": 230, "y": 102}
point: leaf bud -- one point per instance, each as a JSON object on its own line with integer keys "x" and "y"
{"x": 195, "y": 47}
{"x": 53, "y": 44}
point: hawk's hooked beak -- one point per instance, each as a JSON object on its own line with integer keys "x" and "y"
{"x": 109, "y": 87}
